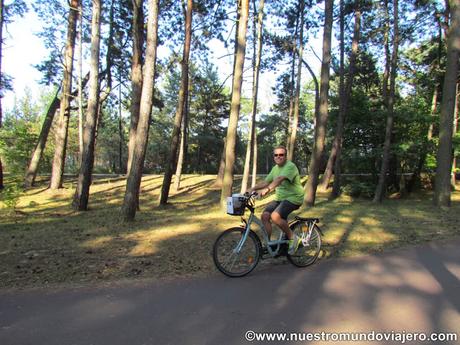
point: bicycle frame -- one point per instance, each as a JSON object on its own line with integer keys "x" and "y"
{"x": 254, "y": 219}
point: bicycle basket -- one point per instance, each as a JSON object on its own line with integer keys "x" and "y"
{"x": 236, "y": 204}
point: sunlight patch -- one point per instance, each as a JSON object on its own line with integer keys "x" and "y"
{"x": 98, "y": 242}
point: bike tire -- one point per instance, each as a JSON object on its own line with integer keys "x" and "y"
{"x": 306, "y": 255}
{"x": 236, "y": 264}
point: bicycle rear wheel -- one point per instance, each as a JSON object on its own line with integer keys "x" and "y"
{"x": 231, "y": 263}
{"x": 309, "y": 250}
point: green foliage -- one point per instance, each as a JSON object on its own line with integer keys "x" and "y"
{"x": 359, "y": 188}
{"x": 18, "y": 134}
{"x": 10, "y": 195}
{"x": 109, "y": 139}
{"x": 456, "y": 144}
{"x": 20, "y": 130}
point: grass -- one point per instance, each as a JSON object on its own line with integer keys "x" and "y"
{"x": 47, "y": 243}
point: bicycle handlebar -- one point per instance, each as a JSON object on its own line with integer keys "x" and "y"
{"x": 250, "y": 195}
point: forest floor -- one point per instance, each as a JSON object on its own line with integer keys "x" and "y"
{"x": 45, "y": 243}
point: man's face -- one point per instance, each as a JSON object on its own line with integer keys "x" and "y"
{"x": 279, "y": 155}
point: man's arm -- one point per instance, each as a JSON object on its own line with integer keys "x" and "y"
{"x": 259, "y": 186}
{"x": 266, "y": 187}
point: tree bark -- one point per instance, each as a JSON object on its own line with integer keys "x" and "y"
{"x": 81, "y": 197}
{"x": 455, "y": 129}
{"x": 220, "y": 174}
{"x": 258, "y": 26}
{"x": 324, "y": 184}
{"x": 235, "y": 103}
{"x": 136, "y": 74}
{"x": 180, "y": 107}
{"x": 292, "y": 86}
{"x": 180, "y": 158}
{"x": 295, "y": 118}
{"x": 183, "y": 142}
{"x": 130, "y": 202}
{"x": 380, "y": 189}
{"x": 344, "y": 106}
{"x": 442, "y": 191}
{"x": 80, "y": 81}
{"x": 120, "y": 134}
{"x": 254, "y": 163}
{"x": 64, "y": 112}
{"x": 321, "y": 121}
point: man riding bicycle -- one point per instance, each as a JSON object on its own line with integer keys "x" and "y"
{"x": 285, "y": 179}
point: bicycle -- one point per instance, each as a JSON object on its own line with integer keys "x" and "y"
{"x": 238, "y": 250}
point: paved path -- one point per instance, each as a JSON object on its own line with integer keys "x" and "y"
{"x": 413, "y": 290}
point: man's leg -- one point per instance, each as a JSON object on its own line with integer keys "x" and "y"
{"x": 282, "y": 224}
{"x": 267, "y": 224}
{"x": 280, "y": 214}
{"x": 266, "y": 216}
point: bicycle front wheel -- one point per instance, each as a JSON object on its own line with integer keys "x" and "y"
{"x": 229, "y": 260}
{"x": 309, "y": 248}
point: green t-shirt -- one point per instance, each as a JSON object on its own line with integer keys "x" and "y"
{"x": 290, "y": 189}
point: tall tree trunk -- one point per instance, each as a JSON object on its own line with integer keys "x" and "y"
{"x": 321, "y": 121}
{"x": 80, "y": 82}
{"x": 32, "y": 168}
{"x": 130, "y": 202}
{"x": 386, "y": 42}
{"x": 180, "y": 158}
{"x": 380, "y": 189}
{"x": 442, "y": 184}
{"x": 136, "y": 74}
{"x": 295, "y": 118}
{"x": 220, "y": 174}
{"x": 235, "y": 103}
{"x": 81, "y": 197}
{"x": 64, "y": 111}
{"x": 338, "y": 140}
{"x": 254, "y": 163}
{"x": 258, "y": 26}
{"x": 455, "y": 129}
{"x": 292, "y": 86}
{"x": 247, "y": 160}
{"x": 188, "y": 12}
{"x": 324, "y": 184}
{"x": 183, "y": 142}
{"x": 120, "y": 134}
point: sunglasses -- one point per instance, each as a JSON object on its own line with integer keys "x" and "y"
{"x": 278, "y": 155}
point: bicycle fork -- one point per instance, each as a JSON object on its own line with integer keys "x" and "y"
{"x": 238, "y": 248}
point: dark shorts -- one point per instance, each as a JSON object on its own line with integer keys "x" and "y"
{"x": 283, "y": 208}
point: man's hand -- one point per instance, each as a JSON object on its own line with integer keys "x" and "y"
{"x": 264, "y": 191}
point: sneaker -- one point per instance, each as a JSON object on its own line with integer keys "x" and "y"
{"x": 294, "y": 244}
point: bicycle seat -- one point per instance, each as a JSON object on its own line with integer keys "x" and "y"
{"x": 302, "y": 219}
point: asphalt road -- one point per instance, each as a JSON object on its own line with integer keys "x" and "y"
{"x": 415, "y": 289}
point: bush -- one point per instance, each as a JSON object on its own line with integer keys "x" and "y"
{"x": 361, "y": 189}
{"x": 10, "y": 194}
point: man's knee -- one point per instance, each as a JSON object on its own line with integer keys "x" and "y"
{"x": 276, "y": 217}
{"x": 265, "y": 216}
